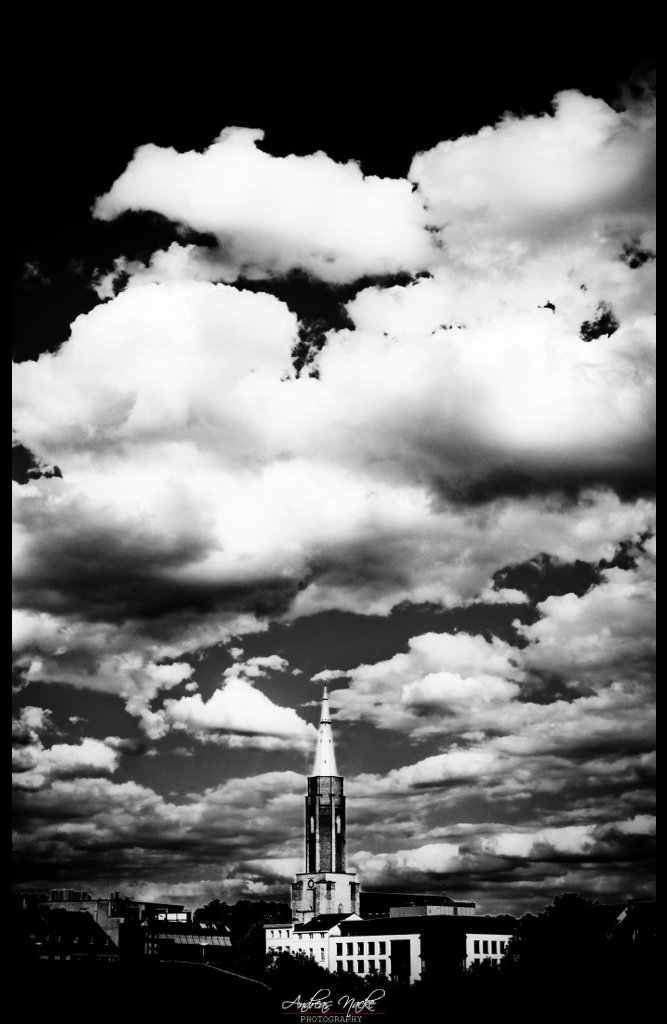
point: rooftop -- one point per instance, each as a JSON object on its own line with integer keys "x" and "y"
{"x": 438, "y": 923}
{"x": 321, "y": 923}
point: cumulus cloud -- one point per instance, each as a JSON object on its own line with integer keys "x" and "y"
{"x": 30, "y": 723}
{"x": 440, "y": 672}
{"x": 34, "y": 765}
{"x": 541, "y": 179}
{"x": 610, "y": 630}
{"x": 599, "y": 645}
{"x": 255, "y": 668}
{"x": 272, "y": 214}
{"x": 237, "y": 714}
{"x": 202, "y": 476}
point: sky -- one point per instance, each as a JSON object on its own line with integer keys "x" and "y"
{"x": 355, "y": 401}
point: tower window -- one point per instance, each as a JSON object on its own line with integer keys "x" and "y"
{"x": 338, "y": 823}
{"x": 312, "y": 825}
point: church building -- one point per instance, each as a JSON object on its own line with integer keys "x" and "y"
{"x": 325, "y": 887}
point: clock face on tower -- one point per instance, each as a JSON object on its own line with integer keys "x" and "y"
{"x": 311, "y": 883}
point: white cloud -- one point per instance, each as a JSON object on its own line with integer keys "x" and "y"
{"x": 238, "y": 708}
{"x": 606, "y": 633}
{"x": 36, "y": 765}
{"x": 30, "y": 722}
{"x": 207, "y": 491}
{"x": 275, "y": 214}
{"x": 255, "y": 668}
{"x": 541, "y": 179}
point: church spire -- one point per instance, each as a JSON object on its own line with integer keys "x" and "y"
{"x": 325, "y": 759}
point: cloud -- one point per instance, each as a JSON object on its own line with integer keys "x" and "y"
{"x": 255, "y": 668}
{"x": 443, "y": 672}
{"x": 599, "y": 646}
{"x": 537, "y": 856}
{"x": 30, "y": 723}
{"x": 202, "y": 478}
{"x": 608, "y": 631}
{"x": 541, "y": 179}
{"x": 33, "y": 274}
{"x": 271, "y": 215}
{"x": 237, "y": 714}
{"x": 228, "y": 834}
{"x": 35, "y": 766}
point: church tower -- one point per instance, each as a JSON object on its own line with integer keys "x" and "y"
{"x": 325, "y": 887}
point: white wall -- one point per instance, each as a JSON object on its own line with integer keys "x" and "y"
{"x": 485, "y": 947}
{"x": 366, "y": 953}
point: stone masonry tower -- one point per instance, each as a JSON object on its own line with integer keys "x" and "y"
{"x": 325, "y": 887}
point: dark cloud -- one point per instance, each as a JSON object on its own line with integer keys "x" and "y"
{"x": 603, "y": 325}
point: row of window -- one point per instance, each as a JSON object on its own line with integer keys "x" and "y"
{"x": 496, "y": 946}
{"x": 311, "y": 952}
{"x": 349, "y": 966}
{"x": 349, "y": 948}
{"x": 280, "y": 933}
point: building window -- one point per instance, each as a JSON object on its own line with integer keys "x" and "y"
{"x": 382, "y": 964}
{"x": 485, "y": 946}
{"x": 371, "y": 965}
{"x": 338, "y": 823}
{"x": 476, "y": 946}
{"x": 360, "y": 948}
{"x": 502, "y": 947}
{"x": 383, "y": 947}
{"x": 371, "y": 948}
{"x": 360, "y": 966}
{"x": 494, "y": 947}
{"x": 339, "y": 949}
{"x": 310, "y": 935}
{"x": 350, "y": 949}
{"x": 312, "y": 825}
{"x": 350, "y": 966}
{"x": 339, "y": 965}
{"x": 322, "y": 953}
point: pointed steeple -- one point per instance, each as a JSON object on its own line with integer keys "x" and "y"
{"x": 325, "y": 759}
